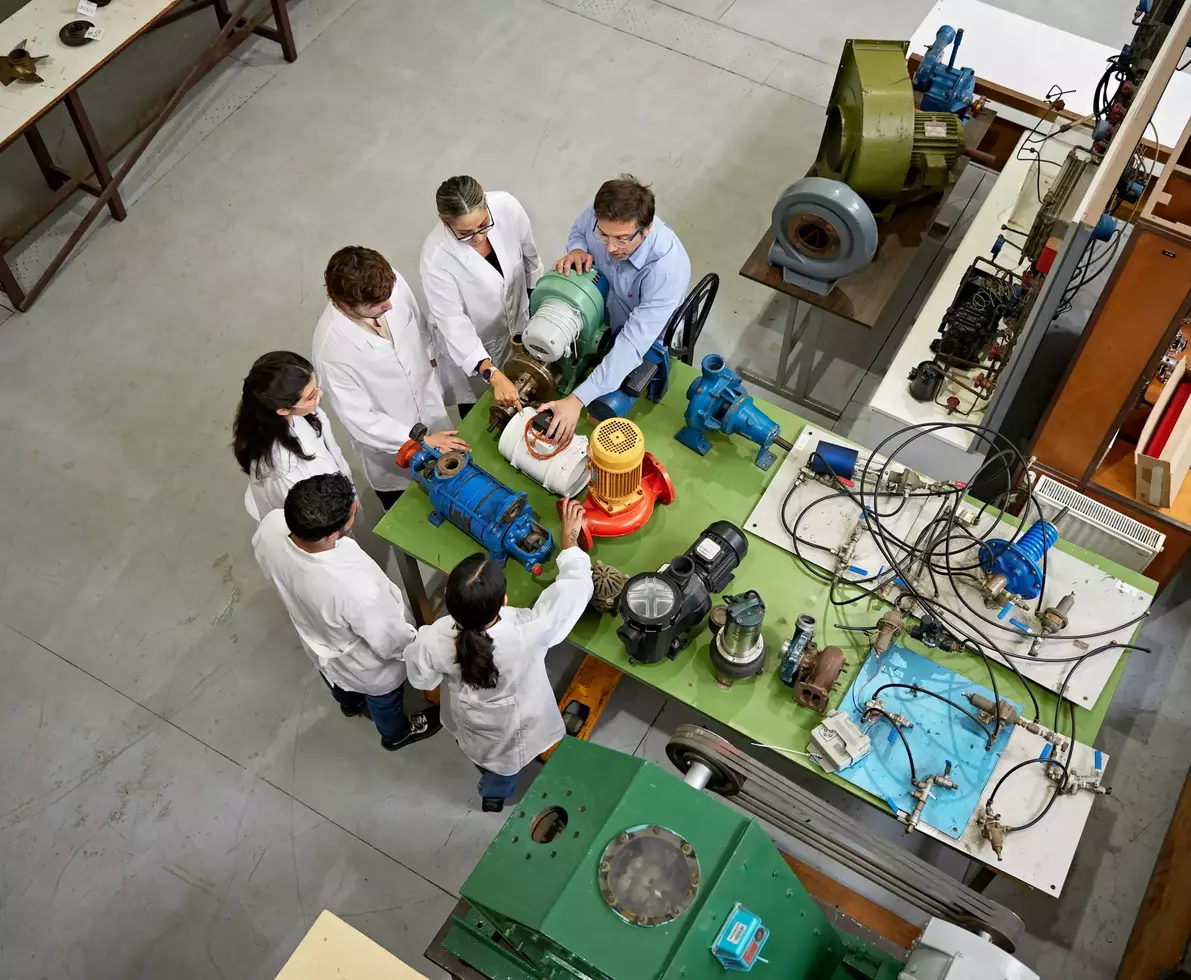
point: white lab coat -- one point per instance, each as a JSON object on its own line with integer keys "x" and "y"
{"x": 502, "y": 729}
{"x": 267, "y": 490}
{"x": 381, "y": 389}
{"x": 349, "y": 616}
{"x": 473, "y": 308}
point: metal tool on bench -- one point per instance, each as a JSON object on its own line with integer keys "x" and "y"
{"x": 719, "y": 401}
{"x": 612, "y": 868}
{"x": 660, "y": 608}
{"x": 565, "y": 337}
{"x": 477, "y": 503}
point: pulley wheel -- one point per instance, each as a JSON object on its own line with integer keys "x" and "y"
{"x": 824, "y": 229}
{"x": 981, "y": 928}
{"x": 74, "y": 34}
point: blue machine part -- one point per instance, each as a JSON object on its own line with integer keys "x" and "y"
{"x": 832, "y": 459}
{"x": 477, "y": 503}
{"x": 650, "y": 378}
{"x": 792, "y": 650}
{"x": 1020, "y": 561}
{"x": 719, "y": 401}
{"x": 940, "y": 735}
{"x": 1105, "y": 228}
{"x": 944, "y": 87}
{"x": 739, "y": 944}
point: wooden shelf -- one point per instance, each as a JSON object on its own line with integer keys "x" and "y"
{"x": 1116, "y": 474}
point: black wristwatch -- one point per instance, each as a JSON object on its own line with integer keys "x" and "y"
{"x": 486, "y": 374}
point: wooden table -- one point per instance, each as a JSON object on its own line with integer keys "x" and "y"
{"x": 24, "y": 104}
{"x": 723, "y": 485}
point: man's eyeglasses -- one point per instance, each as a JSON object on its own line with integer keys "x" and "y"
{"x": 482, "y": 230}
{"x": 616, "y": 239}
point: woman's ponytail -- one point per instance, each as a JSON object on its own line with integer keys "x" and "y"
{"x": 475, "y": 596}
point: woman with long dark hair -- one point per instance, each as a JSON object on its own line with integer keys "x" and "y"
{"x": 281, "y": 436}
{"x": 491, "y": 661}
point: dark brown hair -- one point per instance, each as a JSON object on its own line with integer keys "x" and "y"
{"x": 475, "y": 597}
{"x": 358, "y": 276}
{"x": 625, "y": 199}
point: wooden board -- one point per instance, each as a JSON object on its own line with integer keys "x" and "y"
{"x": 333, "y": 950}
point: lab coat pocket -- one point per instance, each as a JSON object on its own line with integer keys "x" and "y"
{"x": 489, "y": 730}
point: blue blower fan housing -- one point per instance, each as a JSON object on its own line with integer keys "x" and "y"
{"x": 944, "y": 87}
{"x": 1020, "y": 561}
{"x": 719, "y": 401}
{"x": 477, "y": 503}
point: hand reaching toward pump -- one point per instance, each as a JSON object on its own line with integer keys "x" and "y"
{"x": 446, "y": 441}
{"x": 566, "y": 415}
{"x": 571, "y": 512}
{"x": 575, "y": 260}
{"x": 504, "y": 391}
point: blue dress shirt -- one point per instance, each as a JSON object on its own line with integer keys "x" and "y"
{"x": 643, "y": 290}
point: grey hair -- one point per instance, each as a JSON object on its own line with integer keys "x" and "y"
{"x": 458, "y": 196}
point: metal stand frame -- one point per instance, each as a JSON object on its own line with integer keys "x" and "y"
{"x": 235, "y": 27}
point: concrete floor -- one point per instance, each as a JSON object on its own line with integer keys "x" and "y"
{"x": 178, "y": 795}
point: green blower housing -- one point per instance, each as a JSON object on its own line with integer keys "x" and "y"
{"x": 565, "y": 338}
{"x": 612, "y": 869}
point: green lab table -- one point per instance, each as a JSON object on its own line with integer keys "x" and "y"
{"x": 723, "y": 485}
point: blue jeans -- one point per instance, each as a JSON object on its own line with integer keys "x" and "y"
{"x": 493, "y": 786}
{"x": 386, "y": 710}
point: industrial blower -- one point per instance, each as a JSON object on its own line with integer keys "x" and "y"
{"x": 719, "y": 401}
{"x": 877, "y": 154}
{"x": 477, "y": 503}
{"x": 660, "y": 609}
{"x": 626, "y": 482}
{"x": 564, "y": 339}
{"x": 613, "y": 869}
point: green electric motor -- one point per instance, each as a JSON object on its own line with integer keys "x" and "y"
{"x": 611, "y": 868}
{"x": 875, "y": 141}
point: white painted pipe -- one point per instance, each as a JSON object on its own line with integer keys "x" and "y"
{"x": 565, "y": 473}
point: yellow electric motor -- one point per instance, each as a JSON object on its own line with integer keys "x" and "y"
{"x": 617, "y": 450}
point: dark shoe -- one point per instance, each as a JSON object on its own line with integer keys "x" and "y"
{"x": 420, "y": 727}
{"x": 351, "y": 712}
{"x": 492, "y": 806}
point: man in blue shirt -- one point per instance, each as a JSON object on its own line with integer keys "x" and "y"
{"x": 648, "y": 273}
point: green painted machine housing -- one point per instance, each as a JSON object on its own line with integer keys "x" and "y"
{"x": 586, "y": 294}
{"x": 538, "y": 912}
{"x": 874, "y": 140}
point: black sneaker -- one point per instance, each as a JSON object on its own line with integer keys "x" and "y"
{"x": 420, "y": 727}
{"x": 492, "y": 806}
{"x": 351, "y": 712}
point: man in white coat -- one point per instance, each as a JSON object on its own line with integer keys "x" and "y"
{"x": 479, "y": 265}
{"x": 373, "y": 352}
{"x": 349, "y": 616}
{"x": 491, "y": 661}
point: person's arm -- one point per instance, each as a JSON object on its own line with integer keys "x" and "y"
{"x": 661, "y": 293}
{"x": 419, "y": 661}
{"x": 459, "y": 336}
{"x": 355, "y": 410}
{"x": 578, "y": 258}
{"x": 379, "y": 620}
{"x": 529, "y": 248}
{"x": 559, "y": 607}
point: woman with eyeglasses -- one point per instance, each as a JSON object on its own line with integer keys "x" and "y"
{"x": 280, "y": 435}
{"x": 479, "y": 265}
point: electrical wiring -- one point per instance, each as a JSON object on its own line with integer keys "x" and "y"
{"x": 938, "y": 697}
{"x": 902, "y": 735}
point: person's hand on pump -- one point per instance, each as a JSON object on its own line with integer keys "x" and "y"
{"x": 575, "y": 260}
{"x": 572, "y": 515}
{"x": 566, "y": 415}
{"x": 446, "y": 441}
{"x": 503, "y": 390}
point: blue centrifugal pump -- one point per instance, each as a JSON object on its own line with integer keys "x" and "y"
{"x": 719, "y": 401}
{"x": 944, "y": 87}
{"x": 477, "y": 503}
{"x": 1020, "y": 561}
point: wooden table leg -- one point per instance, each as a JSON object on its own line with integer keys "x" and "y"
{"x": 283, "y": 33}
{"x": 99, "y": 164}
{"x": 54, "y": 175}
{"x": 9, "y": 284}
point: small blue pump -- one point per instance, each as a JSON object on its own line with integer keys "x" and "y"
{"x": 717, "y": 400}
{"x": 650, "y": 378}
{"x": 944, "y": 87}
{"x": 477, "y": 503}
{"x": 1020, "y": 561}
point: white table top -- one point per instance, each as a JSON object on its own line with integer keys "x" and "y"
{"x": 1029, "y": 57}
{"x": 39, "y": 22}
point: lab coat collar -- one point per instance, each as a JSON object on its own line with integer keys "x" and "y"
{"x": 469, "y": 256}
{"x": 645, "y": 253}
{"x": 330, "y": 556}
{"x": 358, "y": 336}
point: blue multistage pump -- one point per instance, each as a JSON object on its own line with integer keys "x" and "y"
{"x": 717, "y": 400}
{"x": 944, "y": 87}
{"x": 477, "y": 503}
{"x": 1020, "y": 561}
{"x": 650, "y": 378}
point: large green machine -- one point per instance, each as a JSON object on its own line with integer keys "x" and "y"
{"x": 612, "y": 869}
